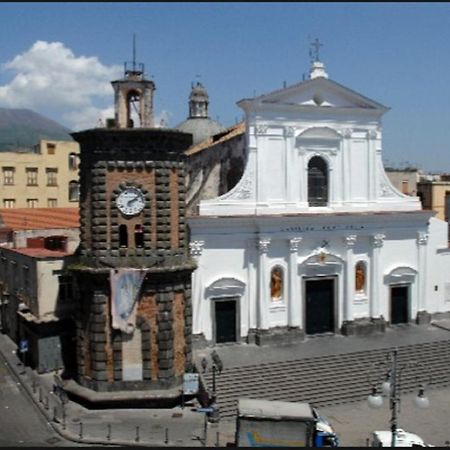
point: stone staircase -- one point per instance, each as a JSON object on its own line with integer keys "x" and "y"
{"x": 332, "y": 379}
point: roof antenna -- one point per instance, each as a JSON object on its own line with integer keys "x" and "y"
{"x": 134, "y": 52}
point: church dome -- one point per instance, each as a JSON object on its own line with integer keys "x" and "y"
{"x": 198, "y": 123}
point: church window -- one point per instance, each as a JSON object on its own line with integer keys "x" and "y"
{"x": 123, "y": 236}
{"x": 360, "y": 277}
{"x": 276, "y": 284}
{"x": 317, "y": 182}
{"x": 138, "y": 236}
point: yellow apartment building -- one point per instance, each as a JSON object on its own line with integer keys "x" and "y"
{"x": 435, "y": 195}
{"x": 46, "y": 177}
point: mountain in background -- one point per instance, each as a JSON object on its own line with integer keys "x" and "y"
{"x": 22, "y": 129}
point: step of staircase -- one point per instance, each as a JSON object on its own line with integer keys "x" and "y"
{"x": 331, "y": 379}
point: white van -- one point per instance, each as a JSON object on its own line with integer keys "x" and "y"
{"x": 402, "y": 439}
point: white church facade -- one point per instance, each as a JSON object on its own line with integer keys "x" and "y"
{"x": 314, "y": 238}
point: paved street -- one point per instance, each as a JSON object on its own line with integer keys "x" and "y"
{"x": 21, "y": 423}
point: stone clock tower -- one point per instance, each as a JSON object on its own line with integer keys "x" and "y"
{"x": 133, "y": 275}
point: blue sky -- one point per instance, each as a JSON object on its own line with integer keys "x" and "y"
{"x": 58, "y": 58}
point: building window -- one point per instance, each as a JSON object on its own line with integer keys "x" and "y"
{"x": 65, "y": 288}
{"x": 9, "y": 203}
{"x": 317, "y": 182}
{"x": 32, "y": 176}
{"x": 123, "y": 236}
{"x": 138, "y": 236}
{"x": 52, "y": 177}
{"x": 360, "y": 277}
{"x": 51, "y": 148}
{"x": 405, "y": 187}
{"x": 8, "y": 176}
{"x": 73, "y": 161}
{"x": 32, "y": 202}
{"x": 52, "y": 202}
{"x": 74, "y": 191}
{"x": 276, "y": 284}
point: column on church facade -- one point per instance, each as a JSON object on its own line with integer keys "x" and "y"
{"x": 291, "y": 167}
{"x": 196, "y": 249}
{"x": 377, "y": 241}
{"x": 263, "y": 284}
{"x": 252, "y": 284}
{"x": 349, "y": 242}
{"x": 372, "y": 169}
{"x": 295, "y": 301}
{"x": 422, "y": 240}
{"x": 346, "y": 163}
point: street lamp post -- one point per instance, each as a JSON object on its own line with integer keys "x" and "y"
{"x": 216, "y": 367}
{"x": 391, "y": 387}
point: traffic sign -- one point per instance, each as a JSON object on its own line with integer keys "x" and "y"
{"x": 190, "y": 383}
{"x": 23, "y": 345}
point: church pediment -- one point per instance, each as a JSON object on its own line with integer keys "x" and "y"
{"x": 318, "y": 92}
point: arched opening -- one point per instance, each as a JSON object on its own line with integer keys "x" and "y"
{"x": 276, "y": 284}
{"x": 360, "y": 277}
{"x": 123, "y": 236}
{"x": 138, "y": 236}
{"x": 317, "y": 182}
{"x": 133, "y": 108}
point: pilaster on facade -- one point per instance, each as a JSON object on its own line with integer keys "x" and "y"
{"x": 290, "y": 164}
{"x": 263, "y": 284}
{"x": 422, "y": 241}
{"x": 346, "y": 162}
{"x": 377, "y": 242}
{"x": 349, "y": 242}
{"x": 372, "y": 163}
{"x": 295, "y": 296}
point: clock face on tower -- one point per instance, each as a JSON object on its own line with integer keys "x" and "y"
{"x": 130, "y": 201}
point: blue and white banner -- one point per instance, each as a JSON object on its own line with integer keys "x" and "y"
{"x": 125, "y": 287}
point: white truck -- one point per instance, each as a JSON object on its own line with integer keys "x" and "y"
{"x": 267, "y": 423}
{"x": 402, "y": 439}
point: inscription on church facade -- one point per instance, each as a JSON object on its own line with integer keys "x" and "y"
{"x": 322, "y": 228}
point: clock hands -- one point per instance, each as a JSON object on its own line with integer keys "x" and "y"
{"x": 133, "y": 200}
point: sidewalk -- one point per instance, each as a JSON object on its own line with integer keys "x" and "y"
{"x": 180, "y": 427}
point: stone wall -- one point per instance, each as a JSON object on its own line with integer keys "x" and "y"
{"x": 163, "y": 316}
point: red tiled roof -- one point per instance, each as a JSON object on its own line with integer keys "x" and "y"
{"x": 40, "y": 252}
{"x": 226, "y": 135}
{"x": 39, "y": 218}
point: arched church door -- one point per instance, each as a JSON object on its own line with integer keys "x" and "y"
{"x": 319, "y": 295}
{"x": 225, "y": 320}
{"x": 399, "y": 304}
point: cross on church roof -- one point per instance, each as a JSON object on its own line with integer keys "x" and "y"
{"x": 316, "y": 44}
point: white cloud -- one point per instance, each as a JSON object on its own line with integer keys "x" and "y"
{"x": 51, "y": 80}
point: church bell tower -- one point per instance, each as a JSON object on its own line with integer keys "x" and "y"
{"x": 133, "y": 275}
{"x": 133, "y": 96}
